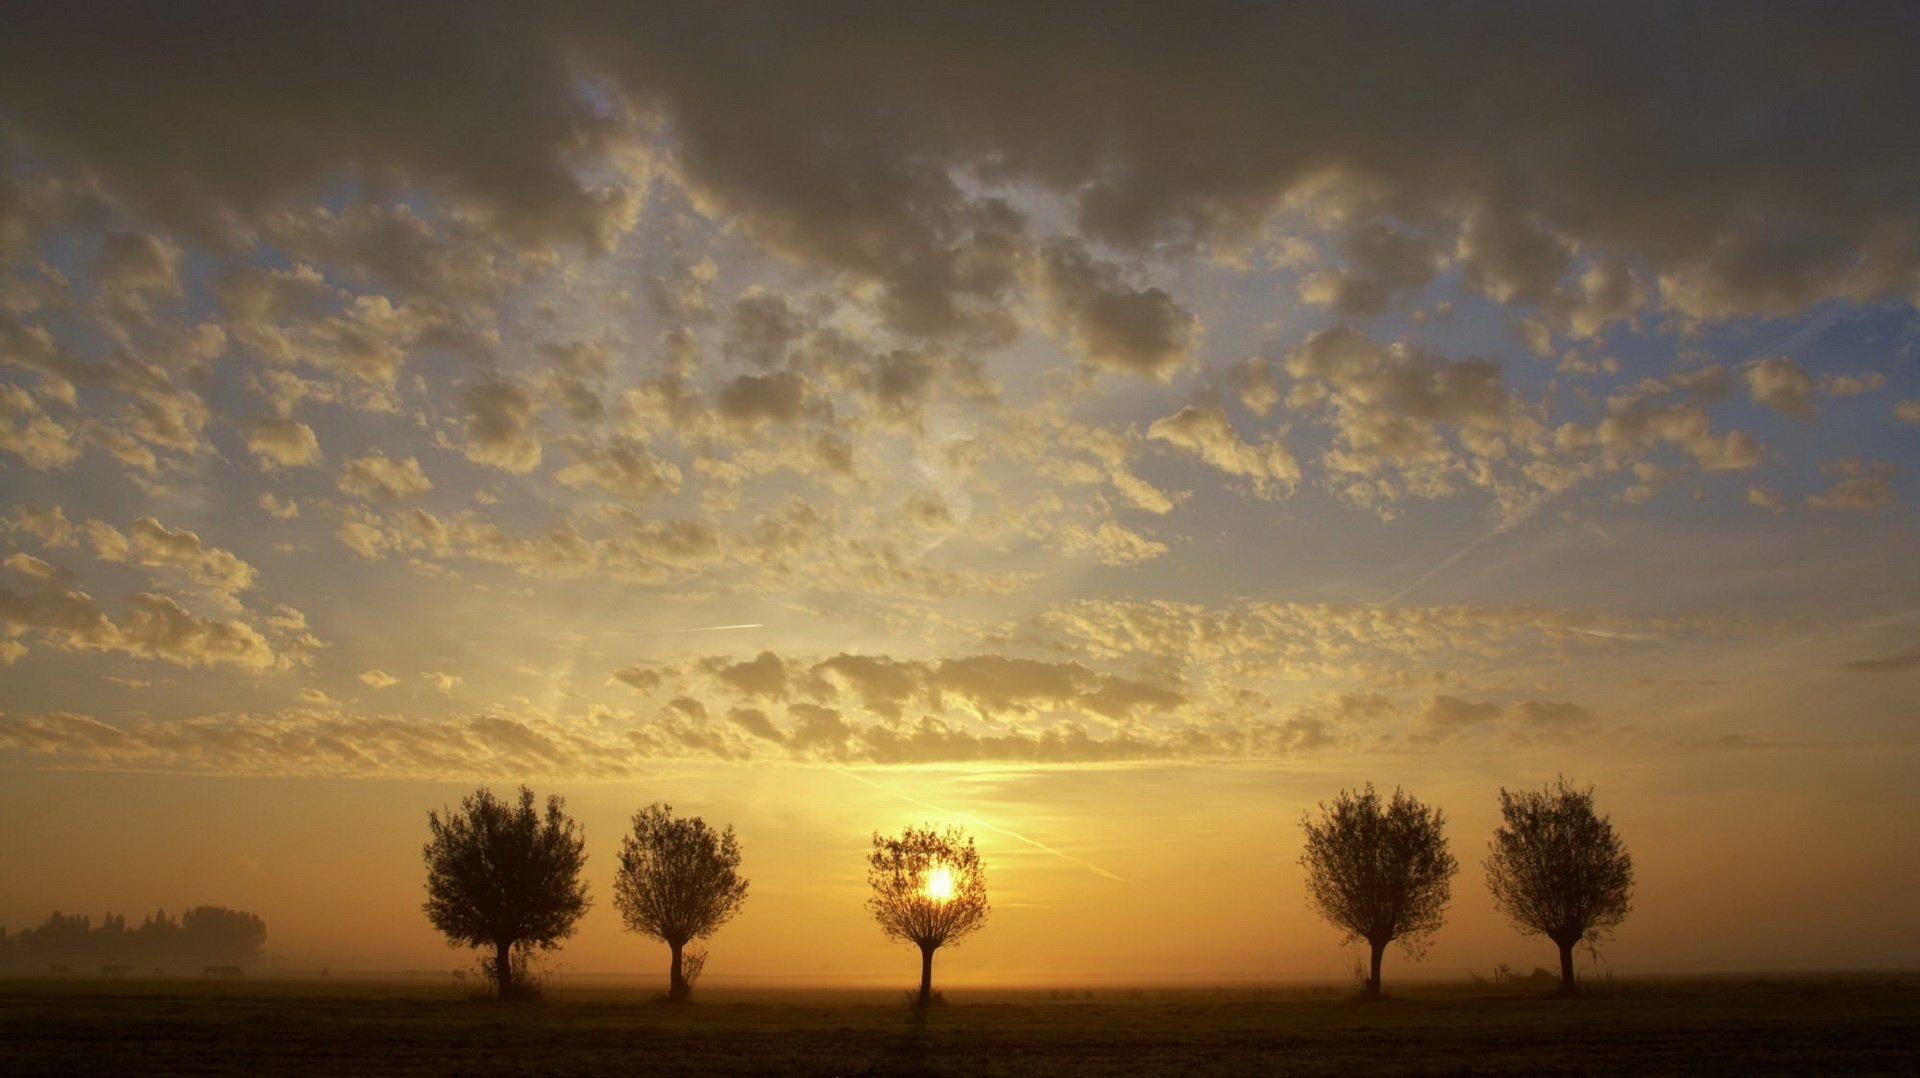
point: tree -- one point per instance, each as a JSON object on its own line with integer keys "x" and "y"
{"x": 500, "y": 874}
{"x": 1557, "y": 869}
{"x": 1379, "y": 871}
{"x": 929, "y": 889}
{"x": 679, "y": 881}
{"x": 217, "y": 934}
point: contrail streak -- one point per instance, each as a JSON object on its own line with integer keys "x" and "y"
{"x": 1500, "y": 529}
{"x": 1035, "y": 843}
{"x": 700, "y": 629}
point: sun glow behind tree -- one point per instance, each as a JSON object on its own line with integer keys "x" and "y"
{"x": 929, "y": 889}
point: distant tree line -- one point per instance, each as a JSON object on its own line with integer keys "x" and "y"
{"x": 204, "y": 935}
{"x": 505, "y": 875}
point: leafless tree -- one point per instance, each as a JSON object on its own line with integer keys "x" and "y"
{"x": 500, "y": 874}
{"x": 679, "y": 881}
{"x": 1379, "y": 871}
{"x": 1558, "y": 869}
{"x": 929, "y": 889}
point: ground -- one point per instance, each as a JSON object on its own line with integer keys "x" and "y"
{"x": 1753, "y": 1025}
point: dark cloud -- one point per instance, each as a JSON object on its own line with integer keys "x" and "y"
{"x": 1746, "y": 161}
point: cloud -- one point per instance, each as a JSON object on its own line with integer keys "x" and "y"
{"x": 635, "y": 549}
{"x": 494, "y": 122}
{"x": 150, "y": 543}
{"x": 1387, "y": 264}
{"x": 131, "y": 269}
{"x": 1109, "y": 324}
{"x": 318, "y": 742}
{"x": 1858, "y": 486}
{"x": 41, "y": 441}
{"x": 762, "y": 676}
{"x": 500, "y": 426}
{"x": 1546, "y": 720}
{"x": 282, "y": 443}
{"x": 154, "y": 627}
{"x": 1391, "y": 406}
{"x": 36, "y": 568}
{"x": 1779, "y": 383}
{"x": 1111, "y": 544}
{"x": 1852, "y": 385}
{"x": 378, "y": 679}
{"x": 1205, "y": 431}
{"x": 771, "y": 119}
{"x": 752, "y": 401}
{"x": 1642, "y": 416}
{"x": 1446, "y": 717}
{"x": 1904, "y": 660}
{"x": 761, "y": 327}
{"x": 378, "y": 477}
{"x": 625, "y": 468}
{"x": 49, "y": 524}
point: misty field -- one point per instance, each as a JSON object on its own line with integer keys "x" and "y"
{"x": 1798, "y": 1024}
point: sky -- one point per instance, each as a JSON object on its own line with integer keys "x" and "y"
{"x": 1112, "y": 429}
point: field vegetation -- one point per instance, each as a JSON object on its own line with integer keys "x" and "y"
{"x": 1754, "y": 1025}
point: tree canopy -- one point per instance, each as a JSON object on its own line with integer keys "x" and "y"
{"x": 504, "y": 875}
{"x": 1379, "y": 871}
{"x": 1557, "y": 868}
{"x": 679, "y": 880}
{"x": 929, "y": 889}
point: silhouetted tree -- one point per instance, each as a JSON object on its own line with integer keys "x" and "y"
{"x": 499, "y": 874}
{"x": 679, "y": 881}
{"x": 229, "y": 937}
{"x": 1557, "y": 868}
{"x": 929, "y": 889}
{"x": 1379, "y": 871}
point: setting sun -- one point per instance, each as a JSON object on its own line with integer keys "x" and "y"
{"x": 940, "y": 883}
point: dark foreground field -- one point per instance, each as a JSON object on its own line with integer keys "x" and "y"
{"x": 1796, "y": 1025}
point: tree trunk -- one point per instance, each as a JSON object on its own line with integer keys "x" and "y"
{"x": 926, "y": 973}
{"x": 1373, "y": 979}
{"x": 503, "y": 967}
{"x": 1567, "y": 984}
{"x": 678, "y": 990}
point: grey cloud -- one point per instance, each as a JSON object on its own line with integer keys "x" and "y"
{"x": 1110, "y": 324}
{"x": 1446, "y": 717}
{"x": 500, "y": 426}
{"x": 1387, "y": 263}
{"x": 1549, "y": 720}
{"x": 478, "y": 104}
{"x": 625, "y": 468}
{"x": 1699, "y": 128}
{"x": 1904, "y": 660}
{"x": 761, "y": 327}
{"x": 751, "y": 401}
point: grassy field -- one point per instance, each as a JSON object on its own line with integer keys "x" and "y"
{"x": 1761, "y": 1025}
